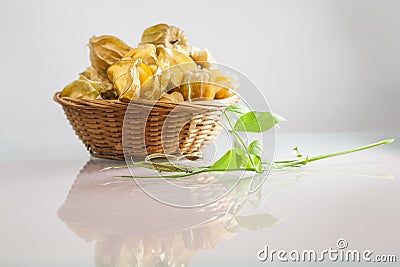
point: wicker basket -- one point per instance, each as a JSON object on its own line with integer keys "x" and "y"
{"x": 99, "y": 123}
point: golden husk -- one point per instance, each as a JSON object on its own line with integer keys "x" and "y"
{"x": 105, "y": 50}
{"x": 202, "y": 57}
{"x": 196, "y": 84}
{"x": 163, "y": 62}
{"x": 174, "y": 97}
{"x": 80, "y": 89}
{"x": 174, "y": 64}
{"x": 125, "y": 76}
{"x": 147, "y": 53}
{"x": 168, "y": 36}
{"x": 99, "y": 83}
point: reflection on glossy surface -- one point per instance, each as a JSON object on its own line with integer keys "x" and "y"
{"x": 132, "y": 229}
{"x": 354, "y": 197}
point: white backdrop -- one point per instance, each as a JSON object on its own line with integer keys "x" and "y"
{"x": 324, "y": 65}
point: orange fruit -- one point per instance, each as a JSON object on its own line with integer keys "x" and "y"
{"x": 223, "y": 93}
{"x": 144, "y": 73}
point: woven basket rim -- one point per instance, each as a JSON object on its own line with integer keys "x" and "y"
{"x": 101, "y": 103}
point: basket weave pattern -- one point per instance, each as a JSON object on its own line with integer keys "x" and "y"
{"x": 149, "y": 127}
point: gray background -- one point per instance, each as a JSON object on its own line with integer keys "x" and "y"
{"x": 327, "y": 66}
{"x": 324, "y": 65}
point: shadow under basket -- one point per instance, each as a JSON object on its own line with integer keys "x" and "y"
{"x": 111, "y": 128}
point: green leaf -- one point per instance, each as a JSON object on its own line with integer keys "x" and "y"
{"x": 306, "y": 161}
{"x": 296, "y": 152}
{"x": 257, "y": 122}
{"x": 257, "y": 221}
{"x": 255, "y": 148}
{"x": 257, "y": 163}
{"x": 233, "y": 159}
{"x": 237, "y": 144}
{"x": 256, "y": 154}
{"x": 237, "y": 108}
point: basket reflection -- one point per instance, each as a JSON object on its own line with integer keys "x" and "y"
{"x": 132, "y": 229}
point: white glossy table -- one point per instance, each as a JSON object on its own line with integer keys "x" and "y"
{"x": 67, "y": 213}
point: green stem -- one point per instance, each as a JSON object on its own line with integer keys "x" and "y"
{"x": 276, "y": 165}
{"x": 239, "y": 139}
{"x": 166, "y": 167}
{"x": 303, "y": 161}
{"x": 187, "y": 174}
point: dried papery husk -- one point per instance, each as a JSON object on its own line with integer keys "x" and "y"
{"x": 223, "y": 91}
{"x": 80, "y": 89}
{"x": 226, "y": 83}
{"x": 174, "y": 97}
{"x": 196, "y": 84}
{"x": 145, "y": 52}
{"x": 105, "y": 50}
{"x": 160, "y": 85}
{"x": 174, "y": 64}
{"x": 128, "y": 76}
{"x": 125, "y": 76}
{"x": 202, "y": 57}
{"x": 153, "y": 68}
{"x": 155, "y": 87}
{"x": 100, "y": 87}
{"x": 91, "y": 74}
{"x": 99, "y": 83}
{"x": 157, "y": 66}
{"x": 109, "y": 95}
{"x": 168, "y": 36}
